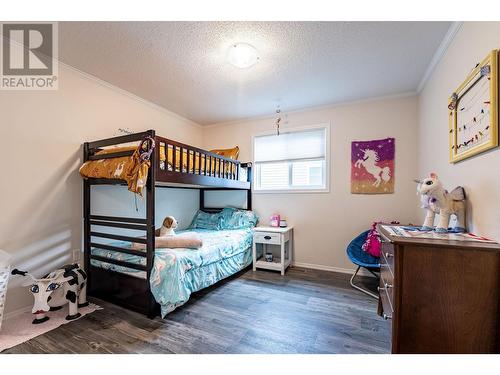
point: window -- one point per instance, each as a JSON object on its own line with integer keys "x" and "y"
{"x": 291, "y": 161}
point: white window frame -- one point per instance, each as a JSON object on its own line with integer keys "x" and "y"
{"x": 326, "y": 189}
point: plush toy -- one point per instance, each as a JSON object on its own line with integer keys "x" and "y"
{"x": 372, "y": 243}
{"x": 167, "y": 229}
{"x": 65, "y": 285}
{"x": 436, "y": 200}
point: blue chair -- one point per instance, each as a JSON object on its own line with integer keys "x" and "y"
{"x": 362, "y": 259}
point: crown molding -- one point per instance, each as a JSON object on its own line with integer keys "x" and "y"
{"x": 117, "y": 89}
{"x": 126, "y": 93}
{"x": 315, "y": 108}
{"x": 438, "y": 55}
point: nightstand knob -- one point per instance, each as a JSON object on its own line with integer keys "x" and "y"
{"x": 387, "y": 286}
{"x": 388, "y": 255}
{"x": 386, "y": 317}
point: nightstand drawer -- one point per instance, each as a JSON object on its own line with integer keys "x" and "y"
{"x": 267, "y": 237}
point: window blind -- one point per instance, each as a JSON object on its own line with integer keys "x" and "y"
{"x": 297, "y": 145}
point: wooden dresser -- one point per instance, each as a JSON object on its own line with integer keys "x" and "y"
{"x": 440, "y": 296}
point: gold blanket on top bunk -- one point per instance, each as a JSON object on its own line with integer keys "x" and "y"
{"x": 128, "y": 168}
{"x": 195, "y": 162}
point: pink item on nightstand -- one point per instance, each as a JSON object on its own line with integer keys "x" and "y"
{"x": 275, "y": 220}
{"x": 372, "y": 243}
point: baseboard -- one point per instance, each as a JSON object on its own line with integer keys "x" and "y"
{"x": 362, "y": 272}
{"x": 12, "y": 314}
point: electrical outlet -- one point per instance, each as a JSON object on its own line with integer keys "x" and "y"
{"x": 76, "y": 255}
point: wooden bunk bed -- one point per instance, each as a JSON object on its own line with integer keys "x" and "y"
{"x": 196, "y": 169}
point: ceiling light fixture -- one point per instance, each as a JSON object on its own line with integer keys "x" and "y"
{"x": 242, "y": 55}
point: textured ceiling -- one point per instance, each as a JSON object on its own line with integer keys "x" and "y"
{"x": 182, "y": 66}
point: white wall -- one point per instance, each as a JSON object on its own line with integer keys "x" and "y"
{"x": 478, "y": 175}
{"x": 41, "y": 190}
{"x": 326, "y": 222}
{"x": 118, "y": 201}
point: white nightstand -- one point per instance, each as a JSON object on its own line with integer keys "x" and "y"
{"x": 269, "y": 236}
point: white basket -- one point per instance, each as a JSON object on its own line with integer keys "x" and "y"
{"x": 4, "y": 279}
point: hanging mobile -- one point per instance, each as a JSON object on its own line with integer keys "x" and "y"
{"x": 278, "y": 120}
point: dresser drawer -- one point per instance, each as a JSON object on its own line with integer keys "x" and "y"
{"x": 386, "y": 284}
{"x": 387, "y": 311}
{"x": 387, "y": 255}
{"x": 267, "y": 237}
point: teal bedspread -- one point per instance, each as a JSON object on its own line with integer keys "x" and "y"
{"x": 179, "y": 272}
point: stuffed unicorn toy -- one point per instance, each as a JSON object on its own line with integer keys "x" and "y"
{"x": 436, "y": 200}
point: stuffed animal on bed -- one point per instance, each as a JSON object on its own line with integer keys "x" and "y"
{"x": 166, "y": 237}
{"x": 186, "y": 240}
{"x": 436, "y": 200}
{"x": 168, "y": 227}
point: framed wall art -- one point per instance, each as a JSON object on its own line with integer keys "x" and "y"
{"x": 372, "y": 166}
{"x": 473, "y": 111}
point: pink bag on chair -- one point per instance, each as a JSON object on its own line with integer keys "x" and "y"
{"x": 372, "y": 243}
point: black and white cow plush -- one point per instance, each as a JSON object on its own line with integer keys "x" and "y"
{"x": 64, "y": 285}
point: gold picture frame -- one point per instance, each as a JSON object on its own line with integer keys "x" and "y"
{"x": 473, "y": 111}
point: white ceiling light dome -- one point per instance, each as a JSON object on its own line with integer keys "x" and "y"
{"x": 243, "y": 55}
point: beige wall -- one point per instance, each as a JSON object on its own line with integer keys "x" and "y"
{"x": 479, "y": 175}
{"x": 41, "y": 190}
{"x": 326, "y": 222}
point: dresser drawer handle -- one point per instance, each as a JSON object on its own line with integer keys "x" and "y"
{"x": 383, "y": 265}
{"x": 386, "y": 317}
{"x": 388, "y": 255}
{"x": 267, "y": 237}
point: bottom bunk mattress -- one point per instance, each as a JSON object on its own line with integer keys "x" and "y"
{"x": 179, "y": 272}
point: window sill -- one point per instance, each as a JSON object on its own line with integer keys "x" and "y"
{"x": 293, "y": 191}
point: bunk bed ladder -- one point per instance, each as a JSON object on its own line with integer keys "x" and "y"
{"x": 150, "y": 231}
{"x": 96, "y": 275}
{"x": 86, "y": 220}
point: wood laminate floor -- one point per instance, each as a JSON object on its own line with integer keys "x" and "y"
{"x": 305, "y": 311}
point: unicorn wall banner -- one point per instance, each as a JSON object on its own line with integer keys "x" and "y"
{"x": 372, "y": 166}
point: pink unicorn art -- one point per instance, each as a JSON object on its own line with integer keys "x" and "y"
{"x": 372, "y": 166}
{"x": 369, "y": 162}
